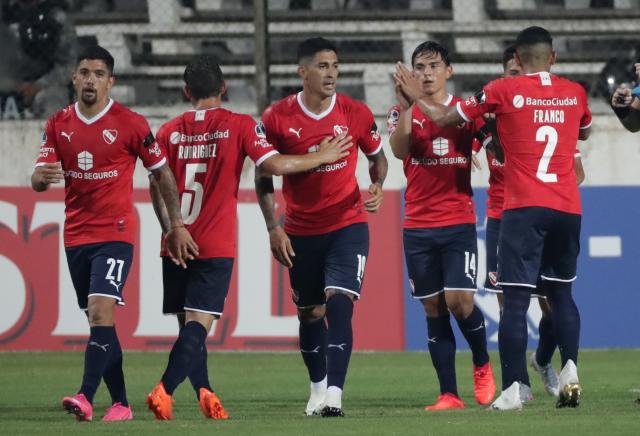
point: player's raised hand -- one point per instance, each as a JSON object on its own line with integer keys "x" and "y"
{"x": 281, "y": 246}
{"x": 408, "y": 82}
{"x": 622, "y": 97}
{"x": 49, "y": 173}
{"x": 181, "y": 246}
{"x": 333, "y": 149}
{"x": 403, "y": 100}
{"x": 372, "y": 204}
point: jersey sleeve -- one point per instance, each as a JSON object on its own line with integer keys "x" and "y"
{"x": 269, "y": 123}
{"x": 254, "y": 141}
{"x": 368, "y": 137}
{"x": 481, "y": 135}
{"x": 392, "y": 119}
{"x": 485, "y": 101}
{"x": 144, "y": 145}
{"x": 48, "y": 146}
{"x": 585, "y": 121}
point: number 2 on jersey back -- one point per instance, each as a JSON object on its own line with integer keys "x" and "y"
{"x": 550, "y": 135}
{"x": 193, "y": 191}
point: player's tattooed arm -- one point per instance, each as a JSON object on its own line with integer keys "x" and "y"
{"x": 158, "y": 205}
{"x": 278, "y": 239}
{"x": 45, "y": 175}
{"x": 378, "y": 167}
{"x": 179, "y": 244}
{"x": 443, "y": 116}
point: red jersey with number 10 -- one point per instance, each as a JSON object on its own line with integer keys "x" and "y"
{"x": 326, "y": 198}
{"x": 206, "y": 150}
{"x": 98, "y": 156}
{"x": 538, "y": 118}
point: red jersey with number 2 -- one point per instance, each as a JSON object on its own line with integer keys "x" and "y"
{"x": 538, "y": 118}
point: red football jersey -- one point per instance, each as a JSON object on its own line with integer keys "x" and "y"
{"x": 538, "y": 119}
{"x": 98, "y": 156}
{"x": 495, "y": 193}
{"x": 438, "y": 170}
{"x": 206, "y": 151}
{"x": 326, "y": 198}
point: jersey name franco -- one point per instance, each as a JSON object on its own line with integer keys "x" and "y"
{"x": 206, "y": 150}
{"x": 438, "y": 170}
{"x": 538, "y": 118}
{"x": 98, "y": 156}
{"x": 326, "y": 198}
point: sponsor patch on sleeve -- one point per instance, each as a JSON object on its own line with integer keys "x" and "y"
{"x": 260, "y": 130}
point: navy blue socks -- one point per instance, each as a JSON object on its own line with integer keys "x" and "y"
{"x": 566, "y": 320}
{"x": 186, "y": 353}
{"x": 442, "y": 348}
{"x": 339, "y": 338}
{"x": 474, "y": 332}
{"x": 513, "y": 335}
{"x": 113, "y": 375}
{"x": 313, "y": 345}
{"x": 97, "y": 356}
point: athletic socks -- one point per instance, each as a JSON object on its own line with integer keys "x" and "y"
{"x": 339, "y": 311}
{"x": 547, "y": 342}
{"x": 313, "y": 345}
{"x": 96, "y": 358}
{"x": 513, "y": 335}
{"x": 474, "y": 332}
{"x": 199, "y": 374}
{"x": 442, "y": 348}
{"x": 566, "y": 320}
{"x": 185, "y": 353}
{"x": 113, "y": 375}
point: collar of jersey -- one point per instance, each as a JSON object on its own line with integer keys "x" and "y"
{"x": 96, "y": 117}
{"x": 449, "y": 98}
{"x": 310, "y": 114}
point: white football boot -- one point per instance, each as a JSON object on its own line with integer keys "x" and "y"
{"x": 509, "y": 399}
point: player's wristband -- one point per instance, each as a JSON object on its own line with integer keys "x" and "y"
{"x": 621, "y": 112}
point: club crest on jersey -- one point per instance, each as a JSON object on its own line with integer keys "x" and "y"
{"x": 493, "y": 278}
{"x": 339, "y": 130}
{"x": 109, "y": 135}
{"x": 260, "y": 130}
{"x": 393, "y": 117}
{"x": 440, "y": 146}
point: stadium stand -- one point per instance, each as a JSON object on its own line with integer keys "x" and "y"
{"x": 153, "y": 39}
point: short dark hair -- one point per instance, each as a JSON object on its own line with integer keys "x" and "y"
{"x": 203, "y": 77}
{"x": 534, "y": 35}
{"x": 309, "y": 47}
{"x": 508, "y": 54}
{"x": 96, "y": 52}
{"x": 431, "y": 47}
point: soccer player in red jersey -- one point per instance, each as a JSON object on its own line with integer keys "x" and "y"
{"x": 541, "y": 358}
{"x": 440, "y": 241}
{"x": 93, "y": 145}
{"x": 325, "y": 241}
{"x": 206, "y": 148}
{"x": 540, "y": 118}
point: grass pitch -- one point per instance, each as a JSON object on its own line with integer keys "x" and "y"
{"x": 265, "y": 394}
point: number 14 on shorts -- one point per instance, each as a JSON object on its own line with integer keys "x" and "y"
{"x": 470, "y": 265}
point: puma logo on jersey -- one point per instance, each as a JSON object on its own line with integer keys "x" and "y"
{"x": 103, "y": 347}
{"x": 116, "y": 285}
{"x": 67, "y": 135}
{"x": 295, "y": 132}
{"x": 338, "y": 346}
{"x": 420, "y": 123}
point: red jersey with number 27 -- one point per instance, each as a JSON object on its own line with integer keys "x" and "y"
{"x": 206, "y": 150}
{"x": 98, "y": 156}
{"x": 538, "y": 118}
{"x": 326, "y": 198}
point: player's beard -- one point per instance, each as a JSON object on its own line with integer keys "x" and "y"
{"x": 89, "y": 98}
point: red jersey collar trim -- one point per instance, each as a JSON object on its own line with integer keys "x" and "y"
{"x": 96, "y": 117}
{"x": 310, "y": 114}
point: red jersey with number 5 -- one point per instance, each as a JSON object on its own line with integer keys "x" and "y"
{"x": 98, "y": 156}
{"x": 326, "y": 198}
{"x": 538, "y": 119}
{"x": 206, "y": 150}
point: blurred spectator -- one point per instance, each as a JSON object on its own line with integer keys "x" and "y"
{"x": 626, "y": 104}
{"x": 48, "y": 48}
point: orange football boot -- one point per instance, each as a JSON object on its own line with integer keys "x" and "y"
{"x": 160, "y": 403}
{"x": 484, "y": 387}
{"x": 211, "y": 406}
{"x": 446, "y": 401}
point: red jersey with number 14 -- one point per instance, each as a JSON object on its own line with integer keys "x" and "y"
{"x": 98, "y": 156}
{"x": 538, "y": 118}
{"x": 206, "y": 150}
{"x": 326, "y": 198}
